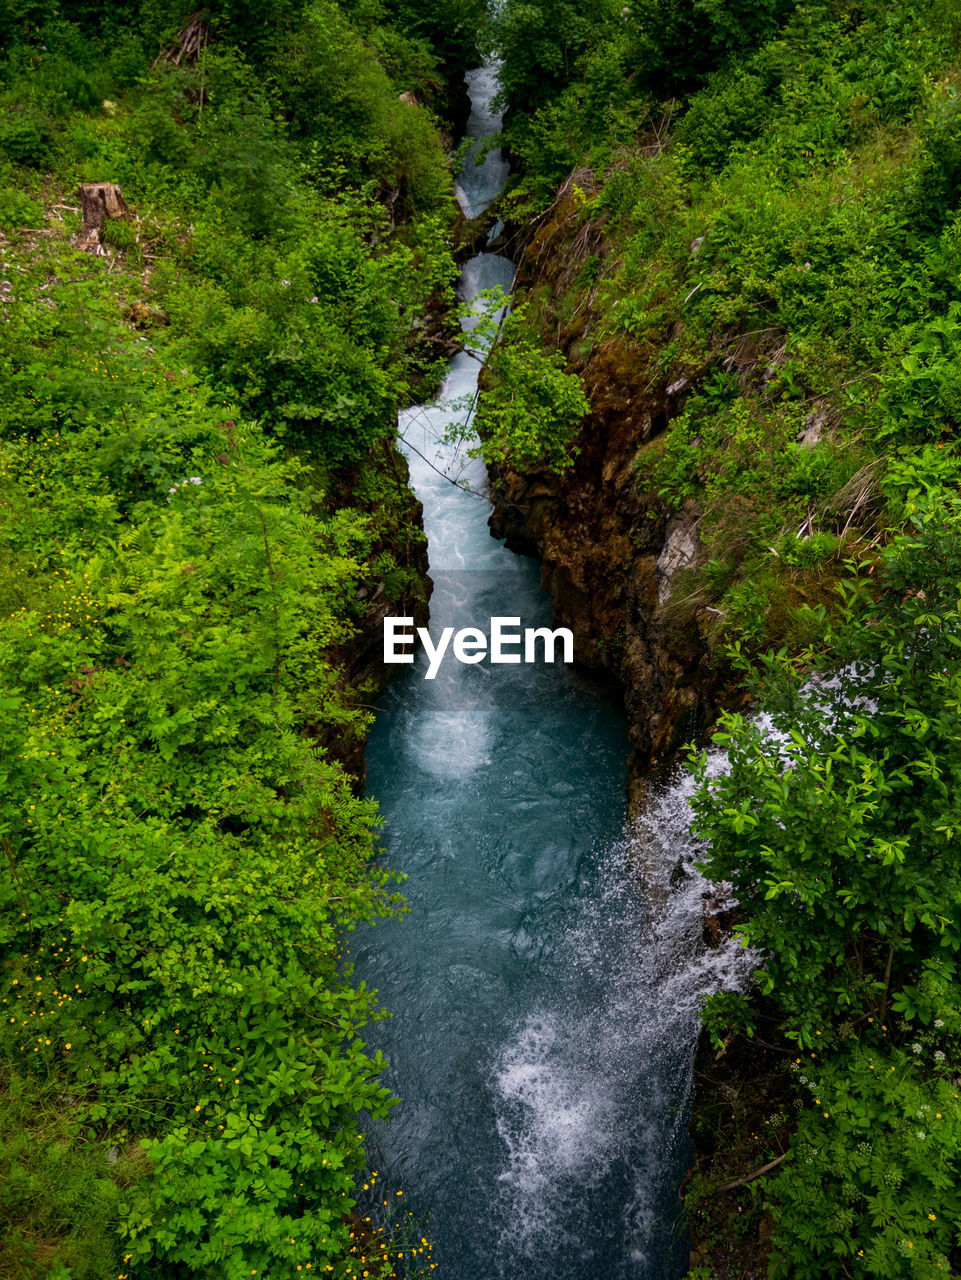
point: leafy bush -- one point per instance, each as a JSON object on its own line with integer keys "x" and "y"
{"x": 541, "y": 44}
{"x": 187, "y": 856}
{"x": 733, "y": 111}
{"x": 172, "y": 669}
{"x": 26, "y": 138}
{"x": 836, "y": 830}
{"x": 344, "y": 103}
{"x": 871, "y": 1186}
{"x": 456, "y": 30}
{"x": 530, "y": 408}
{"x": 856, "y": 763}
{"x": 922, "y": 399}
{"x": 679, "y": 40}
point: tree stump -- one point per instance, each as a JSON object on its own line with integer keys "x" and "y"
{"x": 98, "y": 201}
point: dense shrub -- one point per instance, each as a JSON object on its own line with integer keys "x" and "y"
{"x": 676, "y": 41}
{"x": 170, "y": 588}
{"x": 456, "y": 29}
{"x": 836, "y": 828}
{"x": 757, "y": 239}
{"x": 346, "y": 106}
{"x": 183, "y": 424}
{"x": 541, "y": 45}
{"x": 532, "y": 405}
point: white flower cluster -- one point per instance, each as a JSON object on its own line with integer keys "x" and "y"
{"x": 286, "y": 285}
{"x": 181, "y": 483}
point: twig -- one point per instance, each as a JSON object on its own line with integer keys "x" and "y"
{"x": 887, "y": 981}
{"x": 456, "y": 483}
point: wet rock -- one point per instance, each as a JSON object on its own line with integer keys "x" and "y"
{"x": 679, "y": 874}
{"x": 719, "y": 909}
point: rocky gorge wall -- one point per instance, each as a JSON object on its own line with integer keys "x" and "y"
{"x": 613, "y": 556}
{"x": 618, "y": 563}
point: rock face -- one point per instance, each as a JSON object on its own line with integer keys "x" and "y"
{"x": 614, "y": 558}
{"x": 681, "y": 550}
{"x": 614, "y": 569}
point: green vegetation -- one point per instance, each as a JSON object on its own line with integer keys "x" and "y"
{"x": 837, "y": 833}
{"x": 777, "y": 239}
{"x": 745, "y": 218}
{"x": 531, "y": 405}
{"x": 744, "y": 230}
{"x": 197, "y": 476}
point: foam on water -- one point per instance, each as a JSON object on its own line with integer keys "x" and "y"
{"x": 598, "y": 1076}
{"x": 452, "y": 743}
{"x": 477, "y": 185}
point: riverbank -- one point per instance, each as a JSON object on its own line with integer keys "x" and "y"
{"x": 733, "y": 241}
{"x": 204, "y": 519}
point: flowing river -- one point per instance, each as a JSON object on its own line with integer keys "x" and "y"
{"x": 545, "y": 983}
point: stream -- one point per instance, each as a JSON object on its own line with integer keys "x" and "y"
{"x": 546, "y": 981}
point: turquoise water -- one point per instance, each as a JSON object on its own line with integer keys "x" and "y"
{"x": 542, "y": 1038}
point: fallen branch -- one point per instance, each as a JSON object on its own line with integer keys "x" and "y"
{"x": 765, "y": 1168}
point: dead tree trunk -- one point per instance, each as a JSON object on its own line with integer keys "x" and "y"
{"x": 98, "y": 201}
{"x": 189, "y": 44}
